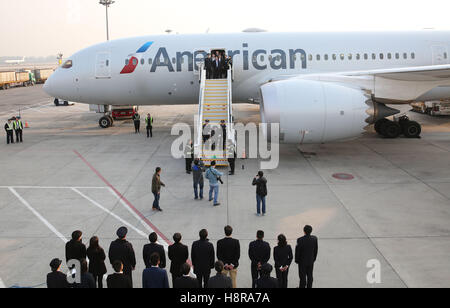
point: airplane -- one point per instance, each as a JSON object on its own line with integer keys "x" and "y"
{"x": 319, "y": 87}
{"x": 15, "y": 61}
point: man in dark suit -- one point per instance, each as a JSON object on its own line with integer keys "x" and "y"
{"x": 229, "y": 252}
{"x": 217, "y": 67}
{"x": 75, "y": 249}
{"x": 208, "y": 66}
{"x": 56, "y": 279}
{"x": 118, "y": 280}
{"x": 185, "y": 281}
{"x": 305, "y": 256}
{"x": 220, "y": 281}
{"x": 155, "y": 277}
{"x": 203, "y": 258}
{"x": 153, "y": 247}
{"x": 122, "y": 250}
{"x": 259, "y": 253}
{"x": 178, "y": 255}
{"x": 265, "y": 281}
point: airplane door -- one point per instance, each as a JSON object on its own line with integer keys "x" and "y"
{"x": 103, "y": 66}
{"x": 439, "y": 54}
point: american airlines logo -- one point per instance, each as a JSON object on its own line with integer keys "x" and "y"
{"x": 259, "y": 59}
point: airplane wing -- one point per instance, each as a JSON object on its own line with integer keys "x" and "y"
{"x": 395, "y": 85}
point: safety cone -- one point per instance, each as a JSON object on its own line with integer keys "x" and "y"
{"x": 26, "y": 125}
{"x": 243, "y": 155}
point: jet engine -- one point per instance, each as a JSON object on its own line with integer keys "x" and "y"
{"x": 316, "y": 112}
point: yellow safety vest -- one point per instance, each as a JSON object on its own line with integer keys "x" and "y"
{"x": 10, "y": 126}
{"x": 18, "y": 125}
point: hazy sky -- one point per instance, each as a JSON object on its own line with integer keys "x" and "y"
{"x": 46, "y": 27}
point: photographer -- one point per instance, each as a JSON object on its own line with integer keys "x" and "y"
{"x": 261, "y": 192}
{"x": 214, "y": 178}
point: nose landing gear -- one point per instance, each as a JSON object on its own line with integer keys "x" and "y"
{"x": 106, "y": 121}
{"x": 401, "y": 125}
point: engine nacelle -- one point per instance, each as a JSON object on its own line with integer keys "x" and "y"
{"x": 315, "y": 112}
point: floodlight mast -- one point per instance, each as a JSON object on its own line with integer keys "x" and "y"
{"x": 107, "y": 4}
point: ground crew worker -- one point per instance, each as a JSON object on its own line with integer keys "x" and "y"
{"x": 18, "y": 127}
{"x": 9, "y": 128}
{"x": 137, "y": 122}
{"x": 189, "y": 156}
{"x": 149, "y": 125}
{"x": 231, "y": 155}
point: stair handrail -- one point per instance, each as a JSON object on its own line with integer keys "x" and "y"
{"x": 230, "y": 124}
{"x": 199, "y": 142}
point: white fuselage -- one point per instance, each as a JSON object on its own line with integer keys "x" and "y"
{"x": 166, "y": 72}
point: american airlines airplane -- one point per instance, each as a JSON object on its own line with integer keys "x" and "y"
{"x": 18, "y": 61}
{"x": 319, "y": 87}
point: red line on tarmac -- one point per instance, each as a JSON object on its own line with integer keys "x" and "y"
{"x": 128, "y": 203}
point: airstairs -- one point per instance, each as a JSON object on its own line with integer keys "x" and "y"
{"x": 215, "y": 106}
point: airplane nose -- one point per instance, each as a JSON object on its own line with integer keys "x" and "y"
{"x": 48, "y": 85}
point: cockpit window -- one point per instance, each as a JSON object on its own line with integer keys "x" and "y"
{"x": 67, "y": 64}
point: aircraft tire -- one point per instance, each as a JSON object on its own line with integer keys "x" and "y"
{"x": 412, "y": 129}
{"x": 105, "y": 122}
{"x": 390, "y": 130}
{"x": 378, "y": 125}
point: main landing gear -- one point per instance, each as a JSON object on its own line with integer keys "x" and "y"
{"x": 400, "y": 126}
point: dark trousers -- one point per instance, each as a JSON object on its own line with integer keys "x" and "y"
{"x": 189, "y": 164}
{"x": 232, "y": 163}
{"x": 156, "y": 201}
{"x": 137, "y": 126}
{"x": 203, "y": 280}
{"x": 305, "y": 273}
{"x": 19, "y": 135}
{"x": 282, "y": 278}
{"x": 149, "y": 131}
{"x": 256, "y": 273}
{"x": 174, "y": 277}
{"x": 9, "y": 137}
{"x": 130, "y": 275}
{"x": 196, "y": 190}
{"x": 99, "y": 281}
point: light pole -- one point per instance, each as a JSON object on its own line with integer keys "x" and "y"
{"x": 107, "y": 3}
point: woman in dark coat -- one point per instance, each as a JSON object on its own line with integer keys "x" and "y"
{"x": 97, "y": 257}
{"x": 283, "y": 257}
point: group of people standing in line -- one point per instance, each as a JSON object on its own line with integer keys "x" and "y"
{"x": 14, "y": 124}
{"x": 148, "y": 124}
{"x": 217, "y": 65}
{"x": 122, "y": 257}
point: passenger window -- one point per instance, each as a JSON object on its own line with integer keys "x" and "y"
{"x": 318, "y": 57}
{"x": 381, "y": 56}
{"x": 413, "y": 55}
{"x": 303, "y": 57}
{"x": 67, "y": 64}
{"x": 358, "y": 56}
{"x": 374, "y": 56}
{"x": 142, "y": 61}
{"x": 107, "y": 62}
{"x": 342, "y": 56}
{"x": 174, "y": 61}
{"x": 350, "y": 56}
{"x": 127, "y": 61}
{"x": 445, "y": 55}
{"x": 334, "y": 56}
{"x": 389, "y": 55}
{"x": 397, "y": 55}
{"x": 405, "y": 55}
{"x": 310, "y": 57}
{"x": 366, "y": 56}
{"x": 325, "y": 57}
{"x": 150, "y": 61}
{"x": 135, "y": 62}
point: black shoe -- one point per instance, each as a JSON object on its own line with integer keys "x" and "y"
{"x": 160, "y": 210}
{"x": 217, "y": 204}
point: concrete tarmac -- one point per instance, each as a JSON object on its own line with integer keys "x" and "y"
{"x": 69, "y": 174}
